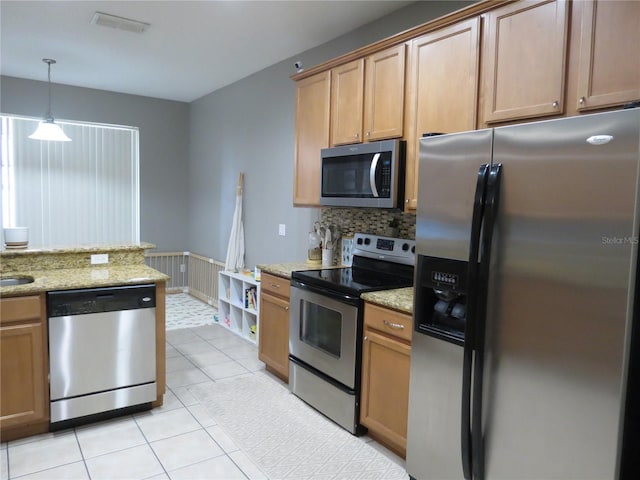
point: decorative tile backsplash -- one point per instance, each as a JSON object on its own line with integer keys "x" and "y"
{"x": 370, "y": 220}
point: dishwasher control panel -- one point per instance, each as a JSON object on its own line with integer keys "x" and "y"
{"x": 62, "y": 303}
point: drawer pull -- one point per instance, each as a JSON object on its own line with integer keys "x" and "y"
{"x": 275, "y": 285}
{"x": 397, "y": 326}
{"x": 286, "y": 309}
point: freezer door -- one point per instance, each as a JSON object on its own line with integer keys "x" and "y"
{"x": 433, "y": 425}
{"x": 560, "y": 297}
{"x": 448, "y": 172}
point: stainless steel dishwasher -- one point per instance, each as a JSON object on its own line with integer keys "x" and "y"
{"x": 102, "y": 352}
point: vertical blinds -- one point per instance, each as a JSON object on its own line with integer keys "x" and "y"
{"x": 72, "y": 193}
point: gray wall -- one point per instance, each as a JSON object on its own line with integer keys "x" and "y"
{"x": 191, "y": 154}
{"x": 164, "y": 145}
{"x": 249, "y": 126}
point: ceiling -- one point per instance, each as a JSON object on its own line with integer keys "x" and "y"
{"x": 190, "y": 49}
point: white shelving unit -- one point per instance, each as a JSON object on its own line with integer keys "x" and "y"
{"x": 238, "y": 307}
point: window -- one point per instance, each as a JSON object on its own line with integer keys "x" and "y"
{"x": 82, "y": 192}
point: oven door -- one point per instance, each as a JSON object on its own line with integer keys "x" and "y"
{"x": 323, "y": 332}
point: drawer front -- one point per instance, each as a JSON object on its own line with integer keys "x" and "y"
{"x": 17, "y": 309}
{"x": 275, "y": 285}
{"x": 388, "y": 321}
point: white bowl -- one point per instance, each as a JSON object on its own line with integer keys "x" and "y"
{"x": 16, "y": 236}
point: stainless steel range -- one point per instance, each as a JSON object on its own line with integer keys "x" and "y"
{"x": 325, "y": 340}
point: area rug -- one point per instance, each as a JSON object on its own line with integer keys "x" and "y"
{"x": 185, "y": 311}
{"x": 288, "y": 439}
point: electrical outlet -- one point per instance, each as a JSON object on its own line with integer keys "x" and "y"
{"x": 282, "y": 229}
{"x": 99, "y": 259}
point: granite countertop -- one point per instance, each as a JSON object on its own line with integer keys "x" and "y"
{"x": 400, "y": 299}
{"x": 15, "y": 252}
{"x": 285, "y": 269}
{"x": 70, "y": 278}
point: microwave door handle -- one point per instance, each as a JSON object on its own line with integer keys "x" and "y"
{"x": 372, "y": 174}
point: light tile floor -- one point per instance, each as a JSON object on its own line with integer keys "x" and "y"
{"x": 177, "y": 441}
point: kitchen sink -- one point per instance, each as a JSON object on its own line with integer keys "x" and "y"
{"x": 15, "y": 280}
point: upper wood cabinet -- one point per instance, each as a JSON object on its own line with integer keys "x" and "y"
{"x": 367, "y": 98}
{"x": 608, "y": 55}
{"x": 524, "y": 59}
{"x": 384, "y": 94}
{"x": 347, "y": 103}
{"x": 312, "y": 134}
{"x": 442, "y": 90}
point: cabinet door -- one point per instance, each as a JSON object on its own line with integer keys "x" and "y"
{"x": 347, "y": 101}
{"x": 385, "y": 388}
{"x": 442, "y": 90}
{"x": 609, "y": 62}
{"x": 524, "y": 60}
{"x": 312, "y": 134}
{"x": 273, "y": 345}
{"x": 384, "y": 94}
{"x": 23, "y": 393}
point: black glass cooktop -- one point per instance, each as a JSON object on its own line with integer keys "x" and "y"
{"x": 356, "y": 280}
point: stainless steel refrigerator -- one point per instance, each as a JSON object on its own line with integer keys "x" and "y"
{"x": 522, "y": 361}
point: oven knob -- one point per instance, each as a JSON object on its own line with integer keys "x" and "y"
{"x": 359, "y": 242}
{"x": 413, "y": 249}
{"x": 405, "y": 247}
{"x": 367, "y": 241}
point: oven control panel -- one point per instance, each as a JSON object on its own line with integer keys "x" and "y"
{"x": 398, "y": 250}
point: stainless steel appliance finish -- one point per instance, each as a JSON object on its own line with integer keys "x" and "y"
{"x": 535, "y": 382}
{"x": 326, "y": 331}
{"x": 326, "y": 323}
{"x": 102, "y": 345}
{"x": 363, "y": 175}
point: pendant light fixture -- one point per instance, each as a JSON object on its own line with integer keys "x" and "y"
{"x": 48, "y": 129}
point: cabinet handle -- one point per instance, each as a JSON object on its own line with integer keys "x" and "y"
{"x": 275, "y": 285}
{"x": 581, "y": 100}
{"x": 366, "y": 338}
{"x": 285, "y": 309}
{"x": 357, "y": 135}
{"x": 555, "y": 104}
{"x": 368, "y": 134}
{"x": 397, "y": 326}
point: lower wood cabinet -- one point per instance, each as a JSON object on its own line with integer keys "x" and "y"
{"x": 273, "y": 344}
{"x": 386, "y": 359}
{"x": 24, "y": 398}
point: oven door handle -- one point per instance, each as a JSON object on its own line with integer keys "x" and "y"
{"x": 325, "y": 291}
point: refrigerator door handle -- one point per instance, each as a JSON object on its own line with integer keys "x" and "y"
{"x": 469, "y": 334}
{"x": 492, "y": 203}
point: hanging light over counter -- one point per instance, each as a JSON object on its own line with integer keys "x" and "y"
{"x": 48, "y": 129}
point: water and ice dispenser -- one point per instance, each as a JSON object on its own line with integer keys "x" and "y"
{"x": 440, "y": 308}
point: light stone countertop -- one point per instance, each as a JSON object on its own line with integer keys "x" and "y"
{"x": 71, "y": 278}
{"x": 400, "y": 299}
{"x": 284, "y": 269}
{"x": 71, "y": 268}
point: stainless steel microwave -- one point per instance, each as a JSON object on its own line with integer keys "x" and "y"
{"x": 363, "y": 175}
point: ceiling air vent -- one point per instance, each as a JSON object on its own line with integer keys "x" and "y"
{"x": 121, "y": 23}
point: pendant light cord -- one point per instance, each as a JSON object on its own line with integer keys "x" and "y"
{"x": 49, "y": 61}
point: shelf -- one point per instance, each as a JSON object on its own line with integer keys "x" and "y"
{"x": 238, "y": 308}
